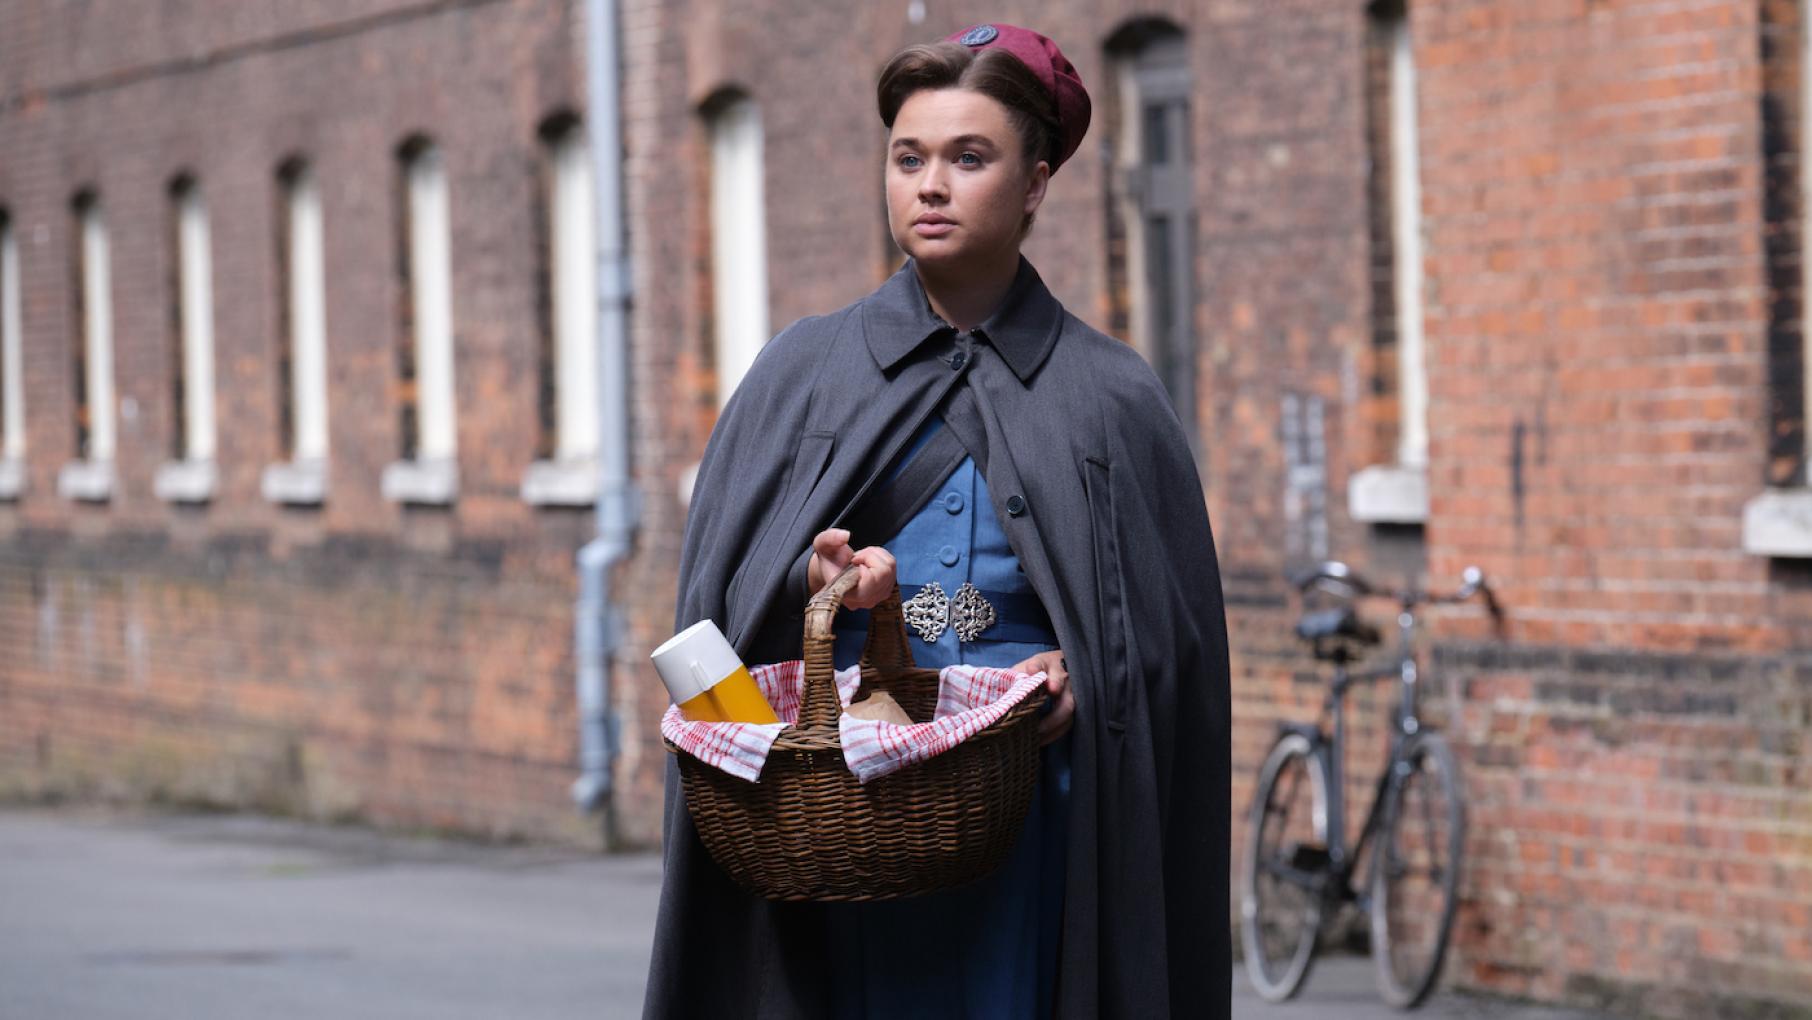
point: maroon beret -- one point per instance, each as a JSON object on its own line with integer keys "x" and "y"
{"x": 1050, "y": 67}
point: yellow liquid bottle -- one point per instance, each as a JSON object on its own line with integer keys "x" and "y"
{"x": 699, "y": 708}
{"x": 707, "y": 680}
{"x": 737, "y": 698}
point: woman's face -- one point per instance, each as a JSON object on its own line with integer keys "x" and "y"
{"x": 958, "y": 185}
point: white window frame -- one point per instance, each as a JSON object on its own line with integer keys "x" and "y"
{"x": 571, "y": 477}
{"x": 1129, "y": 160}
{"x": 1778, "y": 522}
{"x": 739, "y": 240}
{"x": 303, "y": 479}
{"x": 433, "y": 475}
{"x": 191, "y": 478}
{"x": 1406, "y": 249}
{"x": 90, "y": 477}
{"x": 1398, "y": 493}
{"x": 1156, "y": 73}
{"x": 12, "y": 367}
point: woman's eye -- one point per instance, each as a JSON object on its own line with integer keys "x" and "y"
{"x": 909, "y": 162}
{"x": 969, "y": 159}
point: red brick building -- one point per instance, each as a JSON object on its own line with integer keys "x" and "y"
{"x": 262, "y": 625}
{"x": 1438, "y": 284}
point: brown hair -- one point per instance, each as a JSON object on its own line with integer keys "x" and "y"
{"x": 994, "y": 73}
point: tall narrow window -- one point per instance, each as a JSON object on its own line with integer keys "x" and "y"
{"x": 1395, "y": 491}
{"x": 566, "y": 471}
{"x": 1406, "y": 237}
{"x": 1801, "y": 53}
{"x": 90, "y": 476}
{"x": 428, "y": 471}
{"x": 1778, "y": 520}
{"x": 739, "y": 239}
{"x": 301, "y": 341}
{"x": 12, "y": 367}
{"x": 189, "y": 476}
{"x": 1155, "y": 224}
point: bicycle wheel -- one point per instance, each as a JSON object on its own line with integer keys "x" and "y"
{"x": 1416, "y": 873}
{"x": 1285, "y": 868}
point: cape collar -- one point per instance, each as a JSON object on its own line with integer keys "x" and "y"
{"x": 898, "y": 318}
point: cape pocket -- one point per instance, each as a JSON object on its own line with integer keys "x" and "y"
{"x": 1110, "y": 592}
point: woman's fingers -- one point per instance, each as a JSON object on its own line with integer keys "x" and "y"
{"x": 875, "y": 582}
{"x": 1062, "y": 716}
{"x": 832, "y": 547}
{"x": 830, "y": 554}
{"x": 1052, "y": 665}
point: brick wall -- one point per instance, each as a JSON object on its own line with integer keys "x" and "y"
{"x": 1599, "y": 210}
{"x": 408, "y": 665}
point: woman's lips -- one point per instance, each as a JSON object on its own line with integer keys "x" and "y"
{"x": 933, "y": 226}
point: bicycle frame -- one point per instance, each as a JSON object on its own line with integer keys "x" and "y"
{"x": 1332, "y": 750}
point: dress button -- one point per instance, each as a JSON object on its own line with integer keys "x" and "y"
{"x": 1015, "y": 506}
{"x": 958, "y": 360}
{"x": 953, "y": 502}
{"x": 948, "y": 556}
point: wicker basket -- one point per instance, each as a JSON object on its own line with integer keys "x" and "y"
{"x": 809, "y": 831}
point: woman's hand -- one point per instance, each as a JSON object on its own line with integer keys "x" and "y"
{"x": 831, "y": 554}
{"x": 1056, "y": 672}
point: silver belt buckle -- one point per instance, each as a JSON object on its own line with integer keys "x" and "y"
{"x": 930, "y": 612}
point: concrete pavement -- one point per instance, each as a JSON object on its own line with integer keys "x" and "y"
{"x": 148, "y": 917}
{"x": 1341, "y": 988}
{"x": 108, "y": 916}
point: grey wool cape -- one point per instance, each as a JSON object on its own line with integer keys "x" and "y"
{"x": 1093, "y": 480}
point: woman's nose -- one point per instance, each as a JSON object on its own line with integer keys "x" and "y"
{"x": 932, "y": 181}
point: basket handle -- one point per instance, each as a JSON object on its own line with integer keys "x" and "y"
{"x": 887, "y": 645}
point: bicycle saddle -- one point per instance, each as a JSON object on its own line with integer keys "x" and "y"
{"x": 1340, "y": 622}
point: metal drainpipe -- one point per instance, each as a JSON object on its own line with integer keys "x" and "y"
{"x": 597, "y": 620}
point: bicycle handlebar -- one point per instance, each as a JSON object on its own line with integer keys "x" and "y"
{"x": 1333, "y": 570}
{"x": 1472, "y": 582}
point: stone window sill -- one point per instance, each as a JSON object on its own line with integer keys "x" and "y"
{"x": 1779, "y": 523}
{"x": 422, "y": 482}
{"x": 86, "y": 481}
{"x": 296, "y": 483}
{"x": 561, "y": 483}
{"x": 186, "y": 481}
{"x": 12, "y": 478}
{"x": 1388, "y": 494}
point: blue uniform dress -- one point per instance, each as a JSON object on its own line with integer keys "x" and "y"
{"x": 988, "y": 950}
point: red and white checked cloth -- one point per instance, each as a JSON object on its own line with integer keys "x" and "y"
{"x": 970, "y": 699}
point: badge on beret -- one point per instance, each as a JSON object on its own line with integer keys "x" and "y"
{"x": 1053, "y": 71}
{"x": 980, "y": 35}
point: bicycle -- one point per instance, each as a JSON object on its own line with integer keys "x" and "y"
{"x": 1298, "y": 868}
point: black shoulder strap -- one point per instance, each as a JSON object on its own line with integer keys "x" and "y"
{"x": 963, "y": 418}
{"x": 888, "y": 508}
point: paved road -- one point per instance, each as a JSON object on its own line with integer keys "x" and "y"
{"x": 109, "y": 915}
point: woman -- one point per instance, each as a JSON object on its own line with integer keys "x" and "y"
{"x": 1084, "y": 533}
